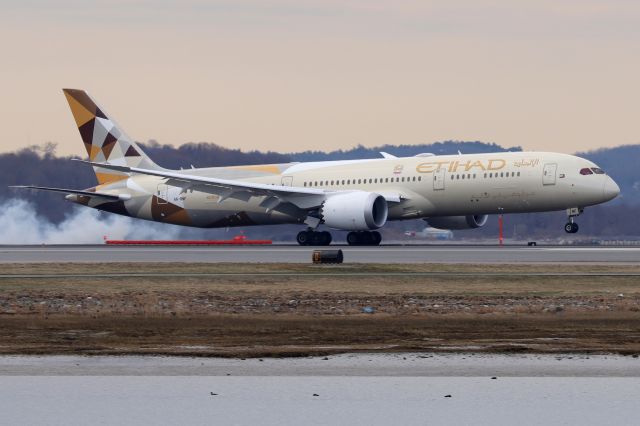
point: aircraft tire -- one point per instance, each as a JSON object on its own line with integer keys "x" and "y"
{"x": 364, "y": 238}
{"x": 325, "y": 238}
{"x": 304, "y": 238}
{"x": 353, "y": 238}
{"x": 377, "y": 238}
{"x": 571, "y": 227}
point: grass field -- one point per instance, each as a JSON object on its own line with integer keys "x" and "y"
{"x": 246, "y": 310}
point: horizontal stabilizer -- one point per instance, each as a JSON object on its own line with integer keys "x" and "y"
{"x": 76, "y": 192}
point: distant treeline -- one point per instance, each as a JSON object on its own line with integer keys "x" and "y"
{"x": 41, "y": 166}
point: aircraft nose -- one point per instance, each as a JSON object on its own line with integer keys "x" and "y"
{"x": 610, "y": 189}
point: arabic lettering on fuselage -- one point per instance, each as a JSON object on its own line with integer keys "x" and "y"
{"x": 532, "y": 162}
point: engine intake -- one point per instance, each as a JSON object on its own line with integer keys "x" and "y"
{"x": 458, "y": 222}
{"x": 355, "y": 211}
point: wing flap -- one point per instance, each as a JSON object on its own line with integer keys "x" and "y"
{"x": 115, "y": 197}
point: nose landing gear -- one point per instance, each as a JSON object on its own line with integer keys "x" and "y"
{"x": 571, "y": 227}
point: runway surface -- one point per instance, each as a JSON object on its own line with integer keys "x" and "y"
{"x": 362, "y": 389}
{"x": 296, "y": 254}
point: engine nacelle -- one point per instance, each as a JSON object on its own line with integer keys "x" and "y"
{"x": 355, "y": 211}
{"x": 458, "y": 222}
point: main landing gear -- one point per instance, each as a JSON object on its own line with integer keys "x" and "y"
{"x": 364, "y": 238}
{"x": 313, "y": 238}
{"x": 323, "y": 238}
{"x": 571, "y": 227}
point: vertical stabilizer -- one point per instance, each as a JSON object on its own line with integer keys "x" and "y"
{"x": 104, "y": 139}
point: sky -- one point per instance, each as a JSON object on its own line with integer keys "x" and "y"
{"x": 292, "y": 75}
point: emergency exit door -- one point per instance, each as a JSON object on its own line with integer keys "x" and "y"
{"x": 162, "y": 194}
{"x": 549, "y": 174}
{"x": 287, "y": 181}
{"x": 438, "y": 179}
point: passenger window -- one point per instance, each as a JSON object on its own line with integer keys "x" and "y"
{"x": 419, "y": 178}
{"x": 452, "y": 177}
{"x": 518, "y": 173}
{"x": 597, "y": 170}
{"x": 320, "y": 183}
{"x": 305, "y": 184}
{"x": 463, "y": 176}
{"x": 513, "y": 174}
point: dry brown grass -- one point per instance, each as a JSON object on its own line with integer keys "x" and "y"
{"x": 303, "y": 313}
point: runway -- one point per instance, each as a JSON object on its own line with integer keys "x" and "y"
{"x": 358, "y": 389}
{"x": 297, "y": 254}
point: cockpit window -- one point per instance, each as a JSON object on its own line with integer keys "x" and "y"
{"x": 597, "y": 170}
{"x": 586, "y": 171}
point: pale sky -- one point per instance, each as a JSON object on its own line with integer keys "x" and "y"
{"x": 291, "y": 75}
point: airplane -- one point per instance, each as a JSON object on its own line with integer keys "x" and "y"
{"x": 360, "y": 196}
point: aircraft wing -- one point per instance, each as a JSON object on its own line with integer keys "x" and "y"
{"x": 305, "y": 198}
{"x": 115, "y": 197}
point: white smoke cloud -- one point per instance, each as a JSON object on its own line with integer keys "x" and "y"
{"x": 20, "y": 224}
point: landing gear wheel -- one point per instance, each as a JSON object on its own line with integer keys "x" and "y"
{"x": 364, "y": 238}
{"x": 313, "y": 238}
{"x": 353, "y": 239}
{"x": 303, "y": 238}
{"x": 571, "y": 227}
{"x": 377, "y": 238}
{"x": 325, "y": 238}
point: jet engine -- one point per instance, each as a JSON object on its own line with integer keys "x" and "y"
{"x": 458, "y": 222}
{"x": 355, "y": 211}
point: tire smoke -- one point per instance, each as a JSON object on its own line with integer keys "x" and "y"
{"x": 20, "y": 224}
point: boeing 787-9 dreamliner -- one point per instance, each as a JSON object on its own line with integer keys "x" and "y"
{"x": 447, "y": 191}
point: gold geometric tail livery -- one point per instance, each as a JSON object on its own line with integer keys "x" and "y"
{"x": 103, "y": 139}
{"x": 447, "y": 191}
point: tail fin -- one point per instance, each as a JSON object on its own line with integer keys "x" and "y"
{"x": 104, "y": 140}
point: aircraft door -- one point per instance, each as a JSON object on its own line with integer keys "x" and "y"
{"x": 438, "y": 179}
{"x": 549, "y": 174}
{"x": 287, "y": 181}
{"x": 163, "y": 193}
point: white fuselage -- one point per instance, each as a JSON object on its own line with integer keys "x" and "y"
{"x": 425, "y": 186}
{"x": 415, "y": 187}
